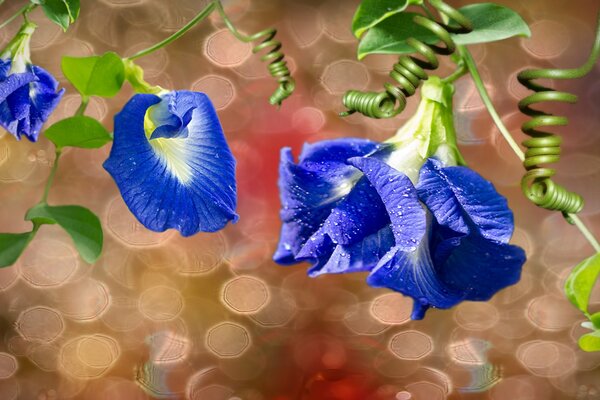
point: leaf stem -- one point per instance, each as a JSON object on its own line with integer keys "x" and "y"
{"x": 461, "y": 71}
{"x": 44, "y": 199}
{"x": 239, "y": 36}
{"x": 22, "y": 11}
{"x": 201, "y": 15}
{"x": 485, "y": 97}
{"x": 84, "y": 103}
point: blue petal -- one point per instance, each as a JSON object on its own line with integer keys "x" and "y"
{"x": 460, "y": 199}
{"x": 27, "y": 100}
{"x": 19, "y": 103}
{"x": 172, "y": 116}
{"x": 42, "y": 105}
{"x": 413, "y": 274}
{"x": 5, "y": 68}
{"x": 8, "y": 120}
{"x": 475, "y": 270}
{"x": 310, "y": 189}
{"x": 479, "y": 267}
{"x": 358, "y": 257}
{"x": 400, "y": 198}
{"x": 348, "y": 222}
{"x": 183, "y": 183}
{"x": 317, "y": 250}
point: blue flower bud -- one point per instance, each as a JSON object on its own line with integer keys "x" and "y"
{"x": 28, "y": 93}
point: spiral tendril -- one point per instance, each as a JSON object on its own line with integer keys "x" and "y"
{"x": 544, "y": 147}
{"x": 278, "y": 67}
{"x": 409, "y": 71}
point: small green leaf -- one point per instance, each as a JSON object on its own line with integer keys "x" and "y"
{"x": 61, "y": 12}
{"x": 95, "y": 76}
{"x": 595, "y": 319}
{"x": 580, "y": 282}
{"x": 490, "y": 22}
{"x": 590, "y": 341}
{"x": 81, "y": 131}
{"x": 11, "y": 247}
{"x": 371, "y": 12}
{"x": 80, "y": 223}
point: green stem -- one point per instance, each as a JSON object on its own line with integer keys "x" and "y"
{"x": 229, "y": 24}
{"x": 201, "y": 15}
{"x": 22, "y": 11}
{"x": 458, "y": 73}
{"x": 485, "y": 97}
{"x": 51, "y": 177}
{"x": 84, "y": 103}
{"x": 586, "y": 232}
{"x": 240, "y": 36}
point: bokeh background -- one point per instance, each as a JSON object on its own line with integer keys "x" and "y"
{"x": 212, "y": 317}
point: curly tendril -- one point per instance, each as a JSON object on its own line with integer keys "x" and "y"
{"x": 409, "y": 71}
{"x": 544, "y": 147}
{"x": 277, "y": 65}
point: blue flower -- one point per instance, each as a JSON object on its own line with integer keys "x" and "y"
{"x": 403, "y": 211}
{"x": 172, "y": 164}
{"x": 28, "y": 93}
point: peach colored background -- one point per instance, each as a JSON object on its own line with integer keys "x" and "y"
{"x": 212, "y": 317}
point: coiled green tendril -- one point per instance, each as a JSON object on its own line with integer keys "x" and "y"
{"x": 409, "y": 71}
{"x": 277, "y": 65}
{"x": 544, "y": 147}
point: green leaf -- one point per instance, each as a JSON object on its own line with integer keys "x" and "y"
{"x": 490, "y": 22}
{"x": 95, "y": 76}
{"x": 371, "y": 12}
{"x": 81, "y": 131}
{"x": 590, "y": 341}
{"x": 11, "y": 247}
{"x": 389, "y": 36}
{"x": 80, "y": 223}
{"x": 61, "y": 12}
{"x": 595, "y": 319}
{"x": 580, "y": 282}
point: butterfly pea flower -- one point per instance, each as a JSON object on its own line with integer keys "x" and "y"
{"x": 407, "y": 211}
{"x": 28, "y": 93}
{"x": 172, "y": 163}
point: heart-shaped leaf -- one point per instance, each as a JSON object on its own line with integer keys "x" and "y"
{"x": 61, "y": 12}
{"x": 95, "y": 76}
{"x": 80, "y": 131}
{"x": 80, "y": 223}
{"x": 580, "y": 282}
{"x": 11, "y": 247}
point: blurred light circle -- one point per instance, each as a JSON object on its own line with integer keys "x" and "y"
{"x": 220, "y": 90}
{"x": 411, "y": 345}
{"x": 40, "y": 324}
{"x": 476, "y": 316}
{"x": 245, "y": 294}
{"x": 224, "y": 49}
{"x": 161, "y": 303}
{"x": 8, "y": 365}
{"x": 227, "y": 339}
{"x": 546, "y": 358}
{"x": 343, "y": 75}
{"x": 392, "y": 308}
